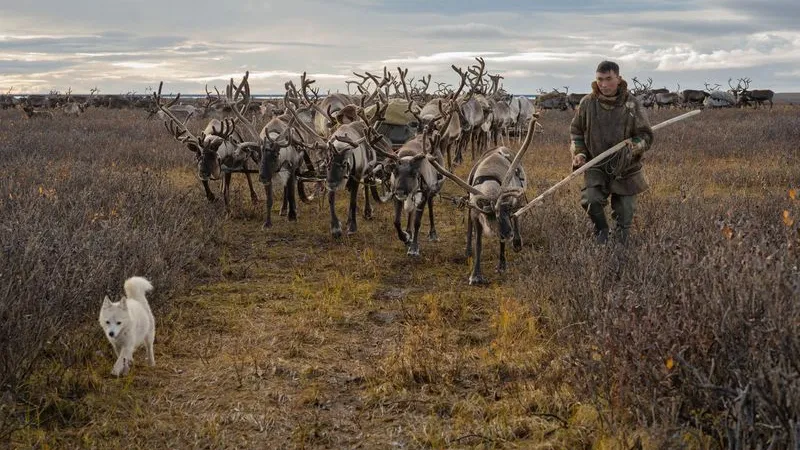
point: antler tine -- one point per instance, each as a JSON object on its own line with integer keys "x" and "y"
{"x": 181, "y": 126}
{"x": 463, "y": 83}
{"x": 410, "y": 109}
{"x": 232, "y": 93}
{"x": 525, "y": 144}
{"x": 461, "y": 183}
{"x": 426, "y": 84}
{"x": 303, "y": 125}
{"x": 304, "y": 86}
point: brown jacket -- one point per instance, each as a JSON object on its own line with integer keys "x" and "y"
{"x": 598, "y": 125}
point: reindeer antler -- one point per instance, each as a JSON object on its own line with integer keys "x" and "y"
{"x": 177, "y": 128}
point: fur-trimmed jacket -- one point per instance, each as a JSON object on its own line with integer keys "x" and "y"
{"x": 601, "y": 122}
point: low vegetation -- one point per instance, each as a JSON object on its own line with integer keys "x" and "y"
{"x": 286, "y": 337}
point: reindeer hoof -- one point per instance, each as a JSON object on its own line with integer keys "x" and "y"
{"x": 478, "y": 280}
{"x": 501, "y": 267}
{"x": 413, "y": 250}
{"x": 517, "y": 245}
{"x": 352, "y": 228}
{"x": 267, "y": 224}
{"x": 336, "y": 231}
{"x": 254, "y": 200}
{"x": 292, "y": 217}
{"x": 433, "y": 237}
{"x": 368, "y": 214}
{"x": 283, "y": 213}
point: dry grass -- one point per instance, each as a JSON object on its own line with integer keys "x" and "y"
{"x": 290, "y": 339}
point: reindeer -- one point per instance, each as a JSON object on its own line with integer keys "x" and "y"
{"x": 522, "y": 109}
{"x": 214, "y": 149}
{"x": 573, "y": 100}
{"x": 7, "y": 100}
{"x": 276, "y": 145}
{"x": 32, "y": 113}
{"x": 643, "y": 92}
{"x": 414, "y": 182}
{"x": 433, "y": 115}
{"x": 718, "y": 98}
{"x": 692, "y": 97}
{"x": 74, "y": 107}
{"x": 554, "y": 99}
{"x": 352, "y": 159}
{"x": 757, "y": 96}
{"x": 496, "y": 187}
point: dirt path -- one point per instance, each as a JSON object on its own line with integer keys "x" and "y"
{"x": 305, "y": 341}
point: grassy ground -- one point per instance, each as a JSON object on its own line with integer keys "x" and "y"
{"x": 297, "y": 340}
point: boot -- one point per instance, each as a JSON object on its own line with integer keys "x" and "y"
{"x": 601, "y": 236}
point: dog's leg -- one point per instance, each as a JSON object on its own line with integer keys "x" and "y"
{"x": 124, "y": 361}
{"x": 149, "y": 343}
{"x": 120, "y": 367}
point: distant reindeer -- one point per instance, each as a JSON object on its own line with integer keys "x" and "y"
{"x": 74, "y": 107}
{"x": 756, "y": 96}
{"x": 32, "y": 113}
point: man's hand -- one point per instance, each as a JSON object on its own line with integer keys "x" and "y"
{"x": 578, "y": 160}
{"x": 636, "y": 146}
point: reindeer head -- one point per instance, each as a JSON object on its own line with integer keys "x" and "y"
{"x": 205, "y": 146}
{"x": 405, "y": 167}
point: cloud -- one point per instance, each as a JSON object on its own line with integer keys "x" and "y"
{"x": 469, "y": 31}
{"x": 50, "y": 43}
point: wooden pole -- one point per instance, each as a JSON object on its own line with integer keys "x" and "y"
{"x": 596, "y": 160}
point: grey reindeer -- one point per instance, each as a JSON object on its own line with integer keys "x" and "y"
{"x": 496, "y": 187}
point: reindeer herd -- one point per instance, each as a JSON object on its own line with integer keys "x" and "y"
{"x": 339, "y": 143}
{"x": 712, "y": 97}
{"x": 390, "y": 138}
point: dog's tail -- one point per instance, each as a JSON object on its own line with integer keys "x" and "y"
{"x": 135, "y": 287}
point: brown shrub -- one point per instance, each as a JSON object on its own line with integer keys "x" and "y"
{"x": 695, "y": 323}
{"x": 88, "y": 205}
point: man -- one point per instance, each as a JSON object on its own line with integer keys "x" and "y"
{"x": 604, "y": 118}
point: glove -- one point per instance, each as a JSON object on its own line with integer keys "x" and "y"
{"x": 636, "y": 146}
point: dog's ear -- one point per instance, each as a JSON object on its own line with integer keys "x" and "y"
{"x": 124, "y": 303}
{"x": 106, "y": 302}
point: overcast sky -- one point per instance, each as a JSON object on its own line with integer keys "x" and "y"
{"x": 131, "y": 45}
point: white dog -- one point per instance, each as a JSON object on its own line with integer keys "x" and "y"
{"x": 129, "y": 323}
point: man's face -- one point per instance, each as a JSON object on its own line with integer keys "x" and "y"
{"x": 607, "y": 82}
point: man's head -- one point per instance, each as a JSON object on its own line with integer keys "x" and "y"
{"x": 607, "y": 77}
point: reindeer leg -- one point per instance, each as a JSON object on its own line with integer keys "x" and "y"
{"x": 291, "y": 186}
{"x": 268, "y": 192}
{"x": 253, "y": 196}
{"x": 209, "y": 195}
{"x": 517, "y": 242}
{"x": 477, "y": 278}
{"x": 413, "y": 249}
{"x": 468, "y": 251}
{"x": 336, "y": 226}
{"x": 460, "y": 147}
{"x": 449, "y": 157}
{"x": 398, "y": 225}
{"x": 501, "y": 264}
{"x": 368, "y": 211}
{"x": 474, "y": 137}
{"x": 226, "y": 188}
{"x": 285, "y": 202}
{"x": 352, "y": 213}
{"x": 432, "y": 236}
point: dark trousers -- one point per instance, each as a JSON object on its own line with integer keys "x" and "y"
{"x": 594, "y": 200}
